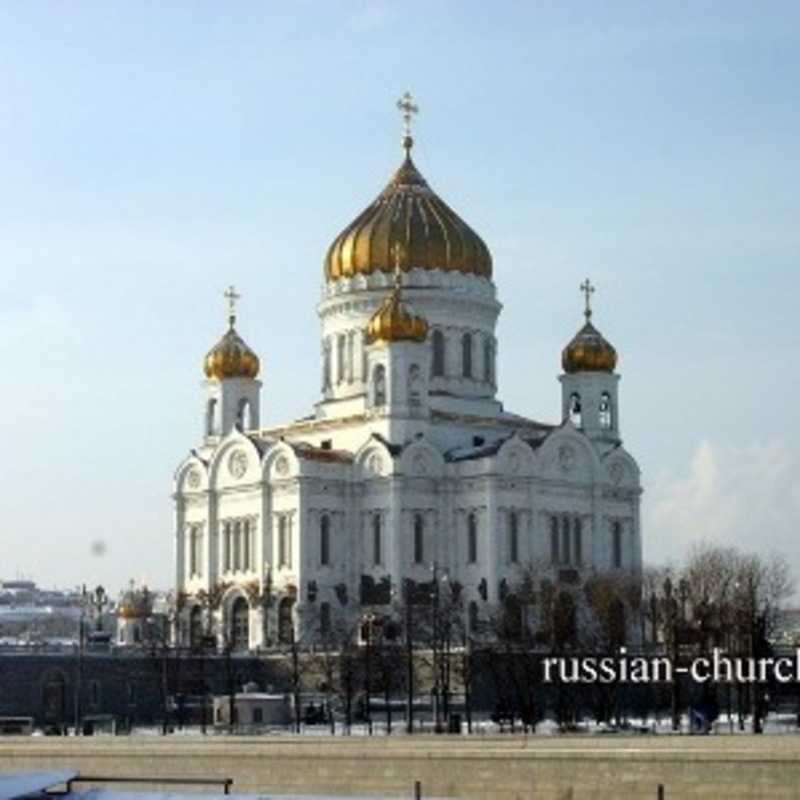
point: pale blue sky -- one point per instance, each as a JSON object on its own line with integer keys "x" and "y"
{"x": 153, "y": 153}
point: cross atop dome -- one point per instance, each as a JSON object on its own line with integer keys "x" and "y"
{"x": 588, "y": 290}
{"x": 231, "y": 296}
{"x": 408, "y": 108}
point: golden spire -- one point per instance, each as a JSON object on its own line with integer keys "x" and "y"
{"x": 408, "y": 108}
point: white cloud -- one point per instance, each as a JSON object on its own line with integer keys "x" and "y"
{"x": 747, "y": 496}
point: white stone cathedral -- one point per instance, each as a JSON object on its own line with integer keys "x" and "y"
{"x": 408, "y": 459}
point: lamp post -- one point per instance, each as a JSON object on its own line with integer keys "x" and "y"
{"x": 440, "y": 642}
{"x": 368, "y": 620}
{"x": 79, "y": 671}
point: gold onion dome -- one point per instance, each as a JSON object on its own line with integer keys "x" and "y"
{"x": 135, "y": 604}
{"x": 231, "y": 357}
{"x": 408, "y": 214}
{"x": 394, "y": 322}
{"x": 588, "y": 351}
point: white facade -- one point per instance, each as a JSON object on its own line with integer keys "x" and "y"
{"x": 408, "y": 459}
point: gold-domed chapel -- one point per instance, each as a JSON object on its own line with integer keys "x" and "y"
{"x": 408, "y": 465}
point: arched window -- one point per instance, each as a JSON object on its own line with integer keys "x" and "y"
{"x": 575, "y": 409}
{"x": 240, "y": 624}
{"x": 488, "y": 360}
{"x": 472, "y": 538}
{"x": 616, "y": 544}
{"x": 211, "y": 417}
{"x": 513, "y": 537}
{"x": 419, "y": 539}
{"x": 414, "y": 386}
{"x": 466, "y": 355}
{"x": 605, "y": 412}
{"x": 326, "y": 364}
{"x": 437, "y": 363}
{"x": 196, "y": 627}
{"x": 325, "y": 540}
{"x": 376, "y": 539}
{"x": 351, "y": 347}
{"x": 379, "y": 385}
{"x": 285, "y": 621}
{"x": 341, "y": 343}
{"x": 243, "y": 414}
{"x": 474, "y": 620}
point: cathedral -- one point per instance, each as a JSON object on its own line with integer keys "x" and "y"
{"x": 408, "y": 468}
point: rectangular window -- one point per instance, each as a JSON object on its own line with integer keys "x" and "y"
{"x": 554, "y": 534}
{"x": 227, "y": 546}
{"x": 472, "y": 538}
{"x": 566, "y": 549}
{"x": 577, "y": 532}
{"x": 513, "y": 538}
{"x": 419, "y": 544}
{"x": 258, "y": 715}
{"x": 351, "y": 346}
{"x": 376, "y": 539}
{"x": 616, "y": 544}
{"x": 237, "y": 546}
{"x": 283, "y": 543}
{"x": 246, "y": 545}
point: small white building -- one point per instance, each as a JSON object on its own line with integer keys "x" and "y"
{"x": 253, "y": 710}
{"x": 408, "y": 458}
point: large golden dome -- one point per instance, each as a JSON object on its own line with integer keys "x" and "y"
{"x": 408, "y": 214}
{"x": 394, "y": 322}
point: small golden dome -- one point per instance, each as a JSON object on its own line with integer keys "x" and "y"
{"x": 588, "y": 352}
{"x": 394, "y": 322}
{"x": 410, "y": 215}
{"x": 135, "y": 604}
{"x": 231, "y": 358}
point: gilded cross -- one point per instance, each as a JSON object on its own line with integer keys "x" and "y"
{"x": 231, "y": 296}
{"x": 588, "y": 291}
{"x": 408, "y": 108}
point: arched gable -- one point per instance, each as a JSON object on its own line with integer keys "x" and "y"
{"x": 567, "y": 454}
{"x": 374, "y": 460}
{"x": 280, "y": 462}
{"x": 235, "y": 461}
{"x": 421, "y": 459}
{"x": 621, "y": 469}
{"x": 515, "y": 457}
{"x": 191, "y": 476}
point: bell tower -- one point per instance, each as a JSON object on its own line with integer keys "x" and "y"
{"x": 232, "y": 391}
{"x": 589, "y": 383}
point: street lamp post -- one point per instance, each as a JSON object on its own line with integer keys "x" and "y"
{"x": 368, "y": 620}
